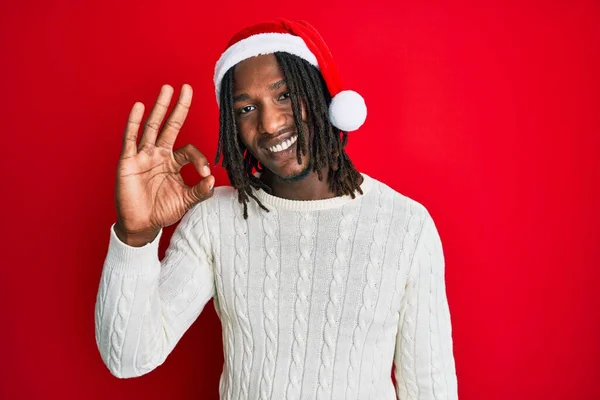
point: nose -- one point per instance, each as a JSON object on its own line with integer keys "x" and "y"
{"x": 272, "y": 119}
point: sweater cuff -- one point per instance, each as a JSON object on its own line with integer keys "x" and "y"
{"x": 131, "y": 260}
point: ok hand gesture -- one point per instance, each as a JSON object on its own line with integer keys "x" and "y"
{"x": 150, "y": 192}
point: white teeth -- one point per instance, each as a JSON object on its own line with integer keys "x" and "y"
{"x": 286, "y": 144}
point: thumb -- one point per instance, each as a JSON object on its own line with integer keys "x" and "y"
{"x": 202, "y": 191}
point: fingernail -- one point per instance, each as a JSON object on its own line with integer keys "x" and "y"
{"x": 206, "y": 170}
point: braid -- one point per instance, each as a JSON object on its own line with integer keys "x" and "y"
{"x": 306, "y": 86}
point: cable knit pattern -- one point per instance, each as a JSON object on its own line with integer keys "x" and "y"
{"x": 120, "y": 322}
{"x": 270, "y": 304}
{"x": 376, "y": 371}
{"x": 439, "y": 380}
{"x": 407, "y": 333}
{"x": 240, "y": 301}
{"x": 317, "y": 299}
{"x": 425, "y": 325}
{"x": 373, "y": 276}
{"x": 301, "y": 306}
{"x": 333, "y": 308}
{"x": 182, "y": 291}
{"x": 146, "y": 361}
{"x": 214, "y": 221}
{"x": 100, "y": 301}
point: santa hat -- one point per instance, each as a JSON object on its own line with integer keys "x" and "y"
{"x": 347, "y": 110}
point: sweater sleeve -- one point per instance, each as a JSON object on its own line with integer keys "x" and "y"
{"x": 424, "y": 361}
{"x": 144, "y": 305}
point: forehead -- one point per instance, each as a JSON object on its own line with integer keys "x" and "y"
{"x": 256, "y": 71}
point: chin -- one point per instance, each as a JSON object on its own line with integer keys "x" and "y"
{"x": 292, "y": 176}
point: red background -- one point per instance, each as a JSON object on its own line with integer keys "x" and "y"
{"x": 486, "y": 114}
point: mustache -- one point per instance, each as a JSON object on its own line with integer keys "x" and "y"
{"x": 283, "y": 131}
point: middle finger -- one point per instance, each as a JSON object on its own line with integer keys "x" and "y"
{"x": 156, "y": 116}
{"x": 176, "y": 119}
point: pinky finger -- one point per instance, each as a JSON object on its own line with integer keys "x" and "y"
{"x": 131, "y": 130}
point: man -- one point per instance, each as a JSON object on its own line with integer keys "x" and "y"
{"x": 322, "y": 276}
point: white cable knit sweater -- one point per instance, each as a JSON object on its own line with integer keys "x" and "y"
{"x": 316, "y": 298}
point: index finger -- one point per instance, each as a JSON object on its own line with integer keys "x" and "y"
{"x": 175, "y": 121}
{"x": 131, "y": 130}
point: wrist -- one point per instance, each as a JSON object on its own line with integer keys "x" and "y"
{"x": 137, "y": 239}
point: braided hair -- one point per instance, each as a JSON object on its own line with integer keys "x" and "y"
{"x": 306, "y": 85}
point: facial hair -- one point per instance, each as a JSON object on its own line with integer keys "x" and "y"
{"x": 298, "y": 176}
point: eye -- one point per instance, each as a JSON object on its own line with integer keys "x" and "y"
{"x": 245, "y": 110}
{"x": 284, "y": 96}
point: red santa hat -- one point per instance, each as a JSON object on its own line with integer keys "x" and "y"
{"x": 347, "y": 110}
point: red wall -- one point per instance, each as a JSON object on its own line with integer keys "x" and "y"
{"x": 488, "y": 115}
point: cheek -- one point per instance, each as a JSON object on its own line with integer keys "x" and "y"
{"x": 245, "y": 132}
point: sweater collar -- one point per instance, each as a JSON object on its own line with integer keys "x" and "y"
{"x": 313, "y": 205}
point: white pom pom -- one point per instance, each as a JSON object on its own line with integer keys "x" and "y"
{"x": 347, "y": 110}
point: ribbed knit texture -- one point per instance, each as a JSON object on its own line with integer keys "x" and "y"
{"x": 317, "y": 299}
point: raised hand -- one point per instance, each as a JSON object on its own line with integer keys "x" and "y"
{"x": 150, "y": 192}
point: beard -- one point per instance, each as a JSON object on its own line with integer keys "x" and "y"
{"x": 298, "y": 176}
{"x": 291, "y": 177}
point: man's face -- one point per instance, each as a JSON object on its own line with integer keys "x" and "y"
{"x": 264, "y": 117}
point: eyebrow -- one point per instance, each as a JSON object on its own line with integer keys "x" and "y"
{"x": 241, "y": 97}
{"x": 272, "y": 86}
{"x": 277, "y": 84}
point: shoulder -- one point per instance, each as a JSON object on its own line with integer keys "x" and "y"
{"x": 411, "y": 220}
{"x": 222, "y": 195}
{"x": 400, "y": 201}
{"x": 408, "y": 214}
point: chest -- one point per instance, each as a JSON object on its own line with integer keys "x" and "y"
{"x": 343, "y": 267}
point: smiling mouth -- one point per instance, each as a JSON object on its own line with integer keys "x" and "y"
{"x": 283, "y": 145}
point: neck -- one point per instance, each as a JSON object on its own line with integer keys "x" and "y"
{"x": 308, "y": 188}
